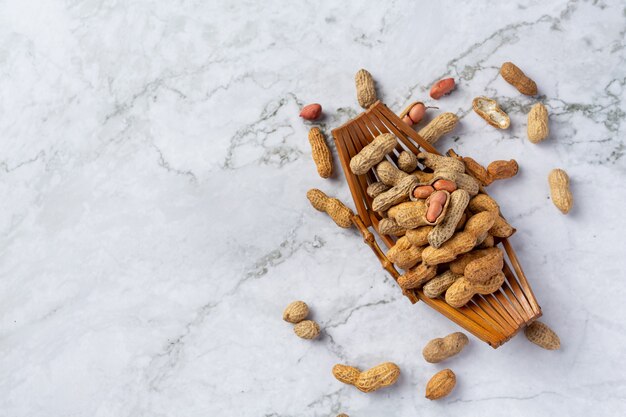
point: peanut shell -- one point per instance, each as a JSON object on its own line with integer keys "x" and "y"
{"x": 365, "y": 91}
{"x": 440, "y": 349}
{"x": 296, "y": 312}
{"x": 439, "y": 126}
{"x": 543, "y": 336}
{"x": 537, "y": 128}
{"x": 320, "y": 152}
{"x": 372, "y": 153}
{"x": 559, "y": 190}
{"x": 407, "y": 161}
{"x": 516, "y": 77}
{"x": 489, "y": 110}
{"x": 404, "y": 254}
{"x": 417, "y": 276}
{"x": 307, "y": 329}
{"x": 438, "y": 285}
{"x": 441, "y": 384}
{"x": 444, "y": 230}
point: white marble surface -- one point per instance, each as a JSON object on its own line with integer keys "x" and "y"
{"x": 153, "y": 171}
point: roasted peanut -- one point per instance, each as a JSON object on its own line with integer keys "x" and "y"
{"x": 435, "y": 204}
{"x": 407, "y": 161}
{"x": 395, "y": 195}
{"x": 296, "y": 312}
{"x": 438, "y": 285}
{"x": 417, "y": 112}
{"x": 341, "y": 214}
{"x": 389, "y": 174}
{"x": 477, "y": 171}
{"x": 463, "y": 290}
{"x": 482, "y": 202}
{"x": 320, "y": 152}
{"x": 543, "y": 336}
{"x": 380, "y": 376}
{"x": 441, "y": 163}
{"x": 422, "y": 177}
{"x": 423, "y": 191}
{"x": 441, "y": 384}
{"x": 406, "y": 119}
{"x": 409, "y": 215}
{"x": 444, "y": 230}
{"x": 311, "y": 111}
{"x": 443, "y": 348}
{"x": 389, "y": 226}
{"x": 365, "y": 91}
{"x": 447, "y": 185}
{"x": 439, "y": 126}
{"x": 461, "y": 180}
{"x": 537, "y": 128}
{"x": 481, "y": 269}
{"x": 404, "y": 254}
{"x": 441, "y": 88}
{"x": 489, "y": 110}
{"x": 377, "y": 188}
{"x": 458, "y": 265}
{"x": 559, "y": 190}
{"x": 307, "y": 329}
{"x": 419, "y": 236}
{"x": 417, "y": 276}
{"x": 516, "y": 77}
{"x": 461, "y": 242}
{"x": 373, "y": 153}
{"x": 500, "y": 170}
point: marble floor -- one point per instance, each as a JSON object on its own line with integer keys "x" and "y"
{"x": 153, "y": 172}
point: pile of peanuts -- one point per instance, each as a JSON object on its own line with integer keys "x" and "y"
{"x": 446, "y": 227}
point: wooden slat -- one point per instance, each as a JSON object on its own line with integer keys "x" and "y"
{"x": 521, "y": 276}
{"x": 519, "y": 293}
{"x": 340, "y": 137}
{"x": 508, "y": 328}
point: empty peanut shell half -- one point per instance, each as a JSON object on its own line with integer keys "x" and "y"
{"x": 489, "y": 110}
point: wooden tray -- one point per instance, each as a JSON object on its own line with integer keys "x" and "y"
{"x": 493, "y": 318}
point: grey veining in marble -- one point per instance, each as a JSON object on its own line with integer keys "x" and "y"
{"x": 153, "y": 171}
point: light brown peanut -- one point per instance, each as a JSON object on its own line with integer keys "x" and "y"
{"x": 407, "y": 161}
{"x": 439, "y": 126}
{"x": 516, "y": 77}
{"x": 537, "y": 128}
{"x": 409, "y": 215}
{"x": 372, "y": 153}
{"x": 376, "y": 188}
{"x": 460, "y": 242}
{"x": 419, "y": 236}
{"x": 442, "y": 348}
{"x": 389, "y": 226}
{"x": 417, "y": 276}
{"x": 320, "y": 152}
{"x": 404, "y": 254}
{"x": 441, "y": 163}
{"x": 463, "y": 290}
{"x": 423, "y": 177}
{"x": 482, "y": 202}
{"x": 441, "y": 384}
{"x": 365, "y": 91}
{"x": 481, "y": 269}
{"x": 444, "y": 230}
{"x": 489, "y": 110}
{"x": 438, "y": 285}
{"x": 337, "y": 211}
{"x": 458, "y": 265}
{"x": 559, "y": 190}
{"x": 389, "y": 174}
{"x": 296, "y": 312}
{"x": 543, "y": 336}
{"x": 395, "y": 195}
{"x": 307, "y": 329}
{"x": 488, "y": 242}
{"x": 423, "y": 191}
{"x": 380, "y": 376}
